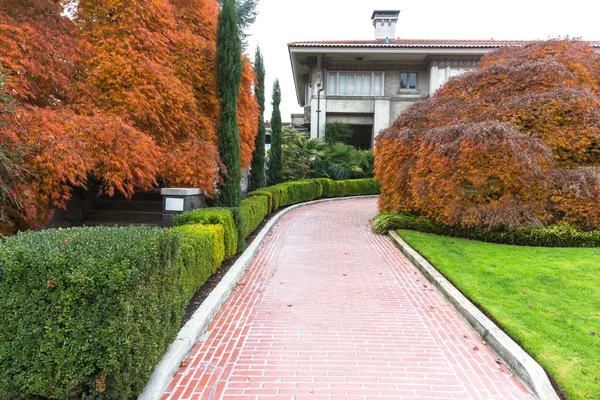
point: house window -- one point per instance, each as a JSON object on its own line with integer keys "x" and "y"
{"x": 331, "y": 83}
{"x": 308, "y": 92}
{"x": 355, "y": 84}
{"x": 408, "y": 81}
{"x": 377, "y": 84}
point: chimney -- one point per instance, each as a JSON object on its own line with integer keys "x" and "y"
{"x": 384, "y": 22}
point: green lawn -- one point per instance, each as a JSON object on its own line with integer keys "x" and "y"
{"x": 546, "y": 299}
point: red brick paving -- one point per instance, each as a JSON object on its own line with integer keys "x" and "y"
{"x": 327, "y": 310}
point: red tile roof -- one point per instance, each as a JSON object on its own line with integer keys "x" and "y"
{"x": 415, "y": 43}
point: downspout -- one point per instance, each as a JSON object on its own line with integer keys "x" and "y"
{"x": 319, "y": 110}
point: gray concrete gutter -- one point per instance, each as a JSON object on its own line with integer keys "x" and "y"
{"x": 525, "y": 368}
{"x": 196, "y": 326}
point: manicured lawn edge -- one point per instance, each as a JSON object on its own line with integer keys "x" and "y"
{"x": 193, "y": 330}
{"x": 521, "y": 364}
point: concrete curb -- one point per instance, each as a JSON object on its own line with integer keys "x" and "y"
{"x": 198, "y": 323}
{"x": 525, "y": 368}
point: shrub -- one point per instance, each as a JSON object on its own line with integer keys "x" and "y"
{"x": 289, "y": 193}
{"x": 86, "y": 313}
{"x": 359, "y": 187}
{"x": 561, "y": 235}
{"x": 338, "y": 132}
{"x": 481, "y": 174}
{"x": 328, "y": 169}
{"x": 253, "y": 210}
{"x": 548, "y": 91}
{"x": 575, "y": 196}
{"x": 327, "y": 186}
{"x": 201, "y": 252}
{"x": 268, "y": 195}
{"x": 240, "y": 225}
{"x": 214, "y": 216}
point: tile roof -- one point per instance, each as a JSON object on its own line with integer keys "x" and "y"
{"x": 416, "y": 43}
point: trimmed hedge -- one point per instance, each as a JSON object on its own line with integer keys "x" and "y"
{"x": 328, "y": 186}
{"x": 240, "y": 224}
{"x": 201, "y": 252}
{"x": 253, "y": 210}
{"x": 214, "y": 216}
{"x": 289, "y": 193}
{"x": 359, "y": 187}
{"x": 87, "y": 312}
{"x": 562, "y": 235}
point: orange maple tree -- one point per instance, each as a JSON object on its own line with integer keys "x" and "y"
{"x": 122, "y": 93}
{"x": 248, "y": 113}
{"x": 497, "y": 176}
{"x": 61, "y": 146}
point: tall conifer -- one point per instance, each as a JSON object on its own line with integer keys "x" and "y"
{"x": 257, "y": 173}
{"x": 275, "y": 160}
{"x": 229, "y": 73}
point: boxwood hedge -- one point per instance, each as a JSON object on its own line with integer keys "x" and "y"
{"x": 212, "y": 216}
{"x": 86, "y": 313}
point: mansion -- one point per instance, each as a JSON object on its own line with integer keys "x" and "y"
{"x": 367, "y": 83}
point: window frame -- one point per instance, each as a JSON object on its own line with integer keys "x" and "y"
{"x": 354, "y": 74}
{"x": 408, "y": 89}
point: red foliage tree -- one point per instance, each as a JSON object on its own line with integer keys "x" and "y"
{"x": 122, "y": 93}
{"x": 248, "y": 113}
{"x": 548, "y": 91}
{"x": 62, "y": 145}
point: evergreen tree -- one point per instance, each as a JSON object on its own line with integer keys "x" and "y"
{"x": 275, "y": 160}
{"x": 246, "y": 16}
{"x": 229, "y": 73}
{"x": 257, "y": 173}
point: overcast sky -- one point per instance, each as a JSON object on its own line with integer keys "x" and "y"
{"x": 282, "y": 21}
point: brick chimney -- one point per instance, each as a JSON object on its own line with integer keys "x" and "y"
{"x": 384, "y": 22}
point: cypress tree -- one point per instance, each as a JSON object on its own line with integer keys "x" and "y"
{"x": 275, "y": 160}
{"x": 257, "y": 172}
{"x": 229, "y": 74}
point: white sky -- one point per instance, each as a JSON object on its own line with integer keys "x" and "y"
{"x": 282, "y": 21}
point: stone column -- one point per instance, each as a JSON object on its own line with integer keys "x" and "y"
{"x": 381, "y": 118}
{"x": 433, "y": 74}
{"x": 176, "y": 201}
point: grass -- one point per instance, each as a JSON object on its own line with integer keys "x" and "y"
{"x": 546, "y": 299}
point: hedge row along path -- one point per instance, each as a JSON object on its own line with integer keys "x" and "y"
{"x": 329, "y": 310}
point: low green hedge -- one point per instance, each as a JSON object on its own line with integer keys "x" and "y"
{"x": 289, "y": 193}
{"x": 552, "y": 236}
{"x": 238, "y": 220}
{"x": 214, "y": 216}
{"x": 201, "y": 252}
{"x": 88, "y": 312}
{"x": 254, "y": 210}
{"x": 328, "y": 186}
{"x": 360, "y": 187}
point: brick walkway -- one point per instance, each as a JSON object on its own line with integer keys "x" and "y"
{"x": 328, "y": 310}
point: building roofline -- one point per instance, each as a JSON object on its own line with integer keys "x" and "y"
{"x": 397, "y": 12}
{"x": 416, "y": 43}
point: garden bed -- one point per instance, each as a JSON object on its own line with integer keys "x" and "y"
{"x": 546, "y": 299}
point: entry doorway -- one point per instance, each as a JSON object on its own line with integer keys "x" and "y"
{"x": 362, "y": 137}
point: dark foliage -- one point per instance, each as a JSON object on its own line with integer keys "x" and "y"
{"x": 257, "y": 171}
{"x": 229, "y": 72}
